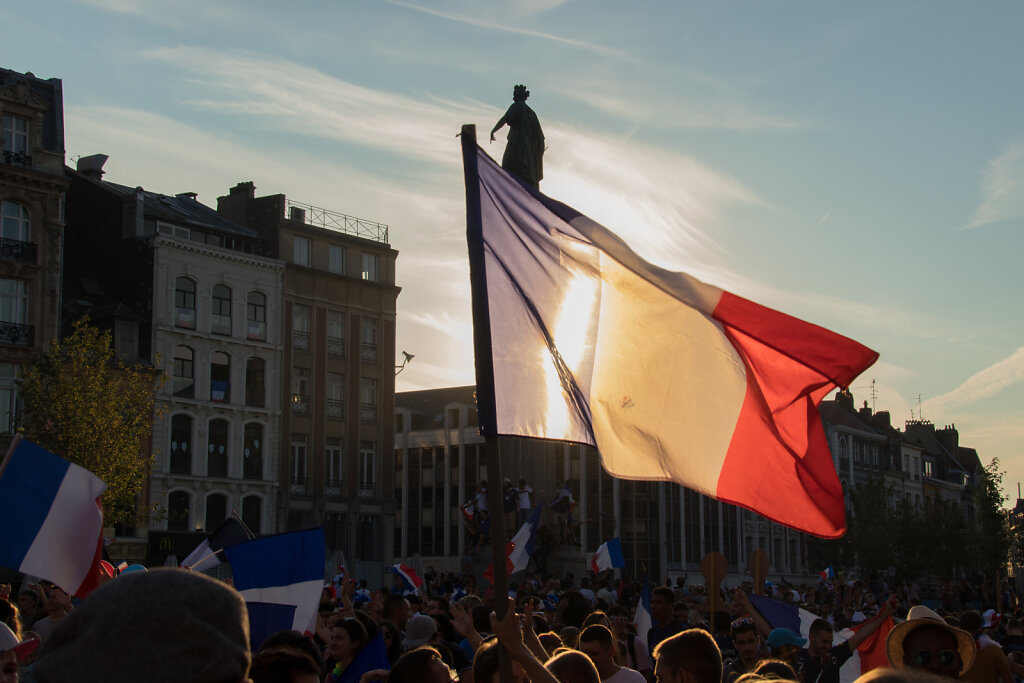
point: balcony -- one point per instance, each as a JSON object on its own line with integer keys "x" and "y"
{"x": 335, "y": 346}
{"x": 367, "y": 489}
{"x": 17, "y": 334}
{"x": 300, "y": 403}
{"x": 332, "y": 488}
{"x": 369, "y": 352}
{"x": 300, "y": 340}
{"x": 22, "y": 159}
{"x": 16, "y": 250}
{"x": 367, "y": 412}
{"x": 335, "y": 407}
{"x": 297, "y": 486}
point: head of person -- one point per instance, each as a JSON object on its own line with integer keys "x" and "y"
{"x": 597, "y": 617}
{"x": 420, "y": 630}
{"x": 688, "y": 657}
{"x": 746, "y": 640}
{"x": 520, "y": 93}
{"x": 438, "y": 605}
{"x": 283, "y": 663}
{"x": 926, "y": 642}
{"x": 348, "y": 638}
{"x": 551, "y": 641}
{"x": 485, "y": 664}
{"x": 819, "y": 638}
{"x": 662, "y": 602}
{"x": 420, "y": 665}
{"x": 785, "y": 644}
{"x": 10, "y": 615}
{"x": 971, "y": 622}
{"x": 775, "y": 669}
{"x": 597, "y": 642}
{"x": 295, "y": 641}
{"x": 201, "y": 635}
{"x": 392, "y": 639}
{"x": 397, "y": 610}
{"x": 28, "y": 602}
{"x": 571, "y": 666}
{"x": 12, "y": 651}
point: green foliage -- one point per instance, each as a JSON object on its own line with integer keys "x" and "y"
{"x": 95, "y": 412}
{"x": 990, "y": 541}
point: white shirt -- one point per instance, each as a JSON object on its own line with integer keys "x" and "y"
{"x": 524, "y": 497}
{"x": 625, "y": 675}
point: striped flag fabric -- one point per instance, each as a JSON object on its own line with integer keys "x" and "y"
{"x": 642, "y": 617}
{"x": 207, "y": 554}
{"x": 408, "y": 575}
{"x": 52, "y": 517}
{"x": 608, "y": 556}
{"x": 579, "y": 339}
{"x": 281, "y": 578}
{"x": 519, "y": 550}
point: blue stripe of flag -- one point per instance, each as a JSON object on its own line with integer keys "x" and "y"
{"x": 280, "y": 560}
{"x": 28, "y": 487}
{"x": 615, "y": 553}
{"x": 777, "y": 613}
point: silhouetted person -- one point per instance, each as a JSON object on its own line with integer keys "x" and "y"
{"x": 525, "y": 148}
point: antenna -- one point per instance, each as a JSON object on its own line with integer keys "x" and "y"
{"x": 920, "y": 415}
{"x": 874, "y": 395}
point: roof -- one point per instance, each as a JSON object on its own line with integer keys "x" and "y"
{"x": 427, "y": 406}
{"x": 833, "y": 413}
{"x": 50, "y": 91}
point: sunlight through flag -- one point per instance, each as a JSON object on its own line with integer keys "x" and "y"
{"x": 579, "y": 339}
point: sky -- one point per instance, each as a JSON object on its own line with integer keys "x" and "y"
{"x": 858, "y": 165}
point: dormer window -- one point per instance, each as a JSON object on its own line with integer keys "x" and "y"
{"x": 16, "y": 141}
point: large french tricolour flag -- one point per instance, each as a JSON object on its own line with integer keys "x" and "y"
{"x": 519, "y": 550}
{"x": 577, "y": 338}
{"x": 53, "y": 522}
{"x": 608, "y": 556}
{"x": 281, "y": 578}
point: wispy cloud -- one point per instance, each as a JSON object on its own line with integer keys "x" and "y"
{"x": 1002, "y": 188}
{"x": 496, "y": 26}
{"x": 825, "y": 217}
{"x": 983, "y": 384}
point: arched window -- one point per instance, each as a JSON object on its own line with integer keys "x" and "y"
{"x": 185, "y": 302}
{"x": 252, "y": 451}
{"x": 181, "y": 444}
{"x": 220, "y": 377}
{"x": 220, "y": 312}
{"x": 252, "y": 513}
{"x": 14, "y": 222}
{"x": 178, "y": 504}
{"x": 184, "y": 385}
{"x": 217, "y": 449}
{"x": 254, "y": 391}
{"x": 256, "y": 316}
{"x": 216, "y": 510}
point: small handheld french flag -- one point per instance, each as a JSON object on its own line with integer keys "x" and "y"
{"x": 409, "y": 576}
{"x": 608, "y": 556}
{"x": 53, "y": 522}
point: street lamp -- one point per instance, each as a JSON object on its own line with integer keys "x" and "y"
{"x": 408, "y": 357}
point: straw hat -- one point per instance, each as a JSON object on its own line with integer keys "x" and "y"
{"x": 919, "y": 616}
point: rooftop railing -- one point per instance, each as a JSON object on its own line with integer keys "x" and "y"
{"x": 339, "y": 222}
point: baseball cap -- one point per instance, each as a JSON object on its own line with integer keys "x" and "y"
{"x": 9, "y": 641}
{"x": 783, "y": 636}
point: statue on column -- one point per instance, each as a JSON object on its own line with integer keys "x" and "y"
{"x": 525, "y": 148}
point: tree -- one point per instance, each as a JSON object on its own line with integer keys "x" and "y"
{"x": 991, "y": 538}
{"x": 94, "y": 411}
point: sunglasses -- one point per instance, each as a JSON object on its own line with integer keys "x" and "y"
{"x": 941, "y": 657}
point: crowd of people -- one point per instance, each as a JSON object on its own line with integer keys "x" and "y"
{"x": 171, "y": 624}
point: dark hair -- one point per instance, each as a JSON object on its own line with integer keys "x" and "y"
{"x": 721, "y": 621}
{"x": 485, "y": 661}
{"x": 693, "y": 650}
{"x": 551, "y": 641}
{"x": 572, "y": 667}
{"x": 394, "y": 602}
{"x": 298, "y": 641}
{"x": 665, "y": 593}
{"x": 819, "y": 625}
{"x": 279, "y": 663}
{"x": 445, "y": 627}
{"x": 445, "y": 605}
{"x": 741, "y": 626}
{"x": 970, "y": 621}
{"x": 409, "y": 667}
{"x": 395, "y": 649}
{"x": 10, "y": 615}
{"x": 775, "y": 669}
{"x": 482, "y": 619}
{"x": 356, "y": 632}
{"x": 597, "y": 633}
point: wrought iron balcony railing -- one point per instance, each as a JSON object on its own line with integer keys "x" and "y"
{"x": 17, "y": 334}
{"x": 16, "y": 250}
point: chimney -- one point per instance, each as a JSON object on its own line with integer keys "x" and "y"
{"x": 235, "y": 205}
{"x": 92, "y": 166}
{"x": 881, "y": 420}
{"x": 949, "y": 437}
{"x": 865, "y": 412}
{"x": 187, "y": 195}
{"x": 845, "y": 400}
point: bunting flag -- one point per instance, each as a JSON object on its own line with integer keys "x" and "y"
{"x": 52, "y": 517}
{"x": 281, "y": 578}
{"x": 578, "y": 339}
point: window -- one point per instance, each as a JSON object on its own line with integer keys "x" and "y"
{"x": 126, "y": 340}
{"x": 14, "y": 223}
{"x": 16, "y": 147}
{"x": 185, "y": 303}
{"x": 220, "y": 315}
{"x": 928, "y": 468}
{"x": 332, "y": 467}
{"x": 178, "y": 504}
{"x": 13, "y": 301}
{"x": 367, "y": 468}
{"x": 335, "y": 394}
{"x": 252, "y": 513}
{"x": 368, "y": 336}
{"x": 370, "y": 267}
{"x": 220, "y": 377}
{"x": 216, "y": 510}
{"x": 254, "y": 390}
{"x": 367, "y": 400}
{"x": 300, "y": 390}
{"x": 181, "y": 444}
{"x": 300, "y": 254}
{"x": 184, "y": 373}
{"x": 217, "y": 449}
{"x": 300, "y": 327}
{"x": 8, "y": 397}
{"x": 336, "y": 259}
{"x": 298, "y": 464}
{"x": 335, "y": 333}
{"x": 256, "y": 316}
{"x": 252, "y": 451}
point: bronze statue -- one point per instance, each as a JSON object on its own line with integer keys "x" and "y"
{"x": 525, "y": 148}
